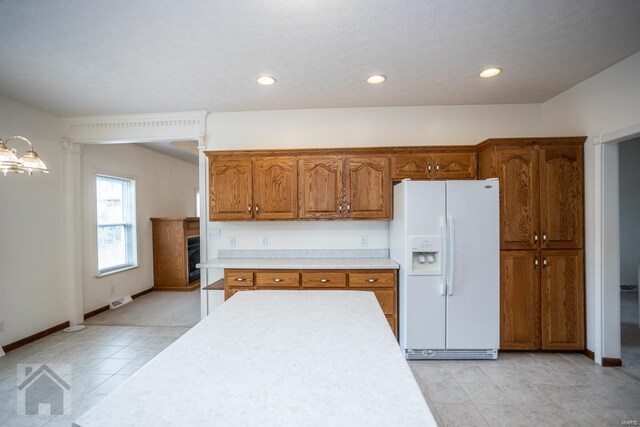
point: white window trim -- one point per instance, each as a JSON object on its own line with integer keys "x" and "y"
{"x": 94, "y": 221}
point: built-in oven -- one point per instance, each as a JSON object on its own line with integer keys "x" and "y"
{"x": 193, "y": 257}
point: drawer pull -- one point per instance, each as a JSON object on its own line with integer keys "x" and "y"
{"x": 240, "y": 279}
{"x": 372, "y": 280}
{"x": 278, "y": 280}
{"x": 324, "y": 280}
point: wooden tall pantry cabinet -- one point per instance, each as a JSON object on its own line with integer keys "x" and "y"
{"x": 542, "y": 238}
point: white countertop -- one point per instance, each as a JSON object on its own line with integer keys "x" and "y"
{"x": 302, "y": 263}
{"x": 284, "y": 358}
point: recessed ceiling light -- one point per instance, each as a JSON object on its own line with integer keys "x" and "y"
{"x": 376, "y": 79}
{"x": 490, "y": 72}
{"x": 266, "y": 80}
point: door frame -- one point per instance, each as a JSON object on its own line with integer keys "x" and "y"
{"x": 606, "y": 243}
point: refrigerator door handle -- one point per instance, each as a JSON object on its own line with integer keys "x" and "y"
{"x": 450, "y": 260}
{"x": 445, "y": 262}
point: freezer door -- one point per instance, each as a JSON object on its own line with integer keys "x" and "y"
{"x": 422, "y": 300}
{"x": 473, "y": 293}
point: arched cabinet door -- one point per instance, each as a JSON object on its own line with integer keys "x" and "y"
{"x": 367, "y": 187}
{"x": 320, "y": 187}
{"x": 230, "y": 183}
{"x": 275, "y": 188}
{"x": 519, "y": 197}
{"x": 561, "y": 198}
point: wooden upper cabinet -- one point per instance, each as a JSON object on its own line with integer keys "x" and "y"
{"x": 230, "y": 189}
{"x": 320, "y": 188}
{"x": 562, "y": 304}
{"x": 561, "y": 198}
{"x": 519, "y": 200}
{"x": 367, "y": 187}
{"x": 275, "y": 188}
{"x": 454, "y": 165}
{"x": 519, "y": 300}
{"x": 414, "y": 166}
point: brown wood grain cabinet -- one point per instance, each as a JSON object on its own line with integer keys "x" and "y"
{"x": 382, "y": 283}
{"x": 520, "y": 300}
{"x": 170, "y": 257}
{"x": 562, "y": 283}
{"x": 367, "y": 187}
{"x": 253, "y": 188}
{"x": 435, "y": 165}
{"x": 541, "y": 240}
{"x": 320, "y": 187}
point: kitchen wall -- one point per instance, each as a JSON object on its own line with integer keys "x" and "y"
{"x": 351, "y": 127}
{"x": 629, "y": 152}
{"x": 32, "y": 241}
{"x": 165, "y": 186}
{"x": 607, "y": 102}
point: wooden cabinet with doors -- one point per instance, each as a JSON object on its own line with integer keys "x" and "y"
{"x": 382, "y": 283}
{"x": 253, "y": 188}
{"x": 541, "y": 240}
{"x": 436, "y": 165}
{"x": 346, "y": 187}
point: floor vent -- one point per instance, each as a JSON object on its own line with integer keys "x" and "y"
{"x": 120, "y": 302}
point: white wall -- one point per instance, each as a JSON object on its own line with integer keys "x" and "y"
{"x": 351, "y": 127}
{"x": 164, "y": 187}
{"x": 629, "y": 152}
{"x": 32, "y": 285}
{"x": 605, "y": 103}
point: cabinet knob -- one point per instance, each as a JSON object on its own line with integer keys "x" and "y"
{"x": 437, "y": 167}
{"x": 536, "y": 262}
{"x": 544, "y": 237}
{"x": 340, "y": 208}
{"x": 278, "y": 280}
{"x": 372, "y": 280}
{"x": 429, "y": 167}
{"x": 324, "y": 280}
{"x": 544, "y": 263}
{"x": 249, "y": 209}
{"x": 240, "y": 279}
{"x": 349, "y": 208}
{"x": 535, "y": 237}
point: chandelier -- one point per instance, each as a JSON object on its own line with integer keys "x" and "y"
{"x": 29, "y": 162}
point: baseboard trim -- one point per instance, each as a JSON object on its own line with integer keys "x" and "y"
{"x": 590, "y": 354}
{"x": 31, "y": 338}
{"x": 106, "y": 307}
{"x": 611, "y": 361}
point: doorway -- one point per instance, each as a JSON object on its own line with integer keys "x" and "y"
{"x": 629, "y": 208}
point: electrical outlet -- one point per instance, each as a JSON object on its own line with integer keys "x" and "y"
{"x": 232, "y": 242}
{"x": 1, "y": 325}
{"x": 214, "y": 233}
{"x": 364, "y": 241}
{"x": 264, "y": 241}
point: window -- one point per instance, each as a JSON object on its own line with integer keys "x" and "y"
{"x": 116, "y": 219}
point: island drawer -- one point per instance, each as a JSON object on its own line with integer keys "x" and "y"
{"x": 324, "y": 279}
{"x": 286, "y": 279}
{"x": 373, "y": 279}
{"x": 237, "y": 278}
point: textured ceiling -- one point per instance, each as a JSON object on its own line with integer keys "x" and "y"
{"x": 84, "y": 57}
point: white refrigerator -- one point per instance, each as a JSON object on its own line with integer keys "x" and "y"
{"x": 445, "y": 236}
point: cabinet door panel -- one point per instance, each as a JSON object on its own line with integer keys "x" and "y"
{"x": 368, "y": 187}
{"x": 320, "y": 187}
{"x": 519, "y": 197}
{"x": 230, "y": 184}
{"x": 561, "y": 197}
{"x": 454, "y": 165}
{"x": 414, "y": 166}
{"x": 562, "y": 300}
{"x": 519, "y": 300}
{"x": 275, "y": 188}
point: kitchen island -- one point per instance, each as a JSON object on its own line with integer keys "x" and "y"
{"x": 275, "y": 358}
